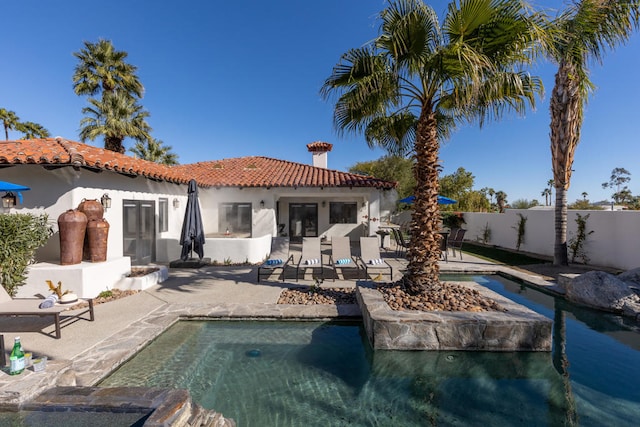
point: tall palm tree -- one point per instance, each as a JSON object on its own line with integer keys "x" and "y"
{"x": 9, "y": 121}
{"x": 154, "y": 150}
{"x": 579, "y": 35}
{"x": 115, "y": 117}
{"x": 501, "y": 200}
{"x": 32, "y": 130}
{"x": 547, "y": 194}
{"x": 418, "y": 78}
{"x": 101, "y": 69}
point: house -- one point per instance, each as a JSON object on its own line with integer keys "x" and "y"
{"x": 244, "y": 201}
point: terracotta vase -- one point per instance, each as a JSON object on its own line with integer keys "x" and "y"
{"x": 72, "y": 226}
{"x": 93, "y": 209}
{"x": 97, "y": 238}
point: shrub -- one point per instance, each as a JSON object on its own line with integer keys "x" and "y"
{"x": 20, "y": 236}
{"x": 453, "y": 219}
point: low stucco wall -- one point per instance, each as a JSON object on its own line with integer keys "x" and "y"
{"x": 237, "y": 250}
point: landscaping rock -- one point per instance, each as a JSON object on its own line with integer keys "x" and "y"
{"x": 605, "y": 291}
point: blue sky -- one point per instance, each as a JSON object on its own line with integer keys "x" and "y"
{"x": 241, "y": 78}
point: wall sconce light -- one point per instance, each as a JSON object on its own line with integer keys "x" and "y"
{"x": 261, "y": 204}
{"x": 364, "y": 204}
{"x": 105, "y": 200}
{"x": 324, "y": 203}
{"x": 8, "y": 200}
{"x": 176, "y": 203}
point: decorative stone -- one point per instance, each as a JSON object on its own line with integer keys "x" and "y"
{"x": 604, "y": 291}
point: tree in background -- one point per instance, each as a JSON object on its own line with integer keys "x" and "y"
{"x": 9, "y": 121}
{"x": 547, "y": 196}
{"x": 116, "y": 115}
{"x": 524, "y": 204}
{"x": 154, "y": 150}
{"x": 584, "y": 204}
{"x": 459, "y": 186}
{"x": 579, "y": 35}
{"x": 501, "y": 200}
{"x": 618, "y": 178}
{"x": 417, "y": 78}
{"x": 390, "y": 168}
{"x": 103, "y": 69}
{"x": 32, "y": 130}
{"x": 490, "y": 192}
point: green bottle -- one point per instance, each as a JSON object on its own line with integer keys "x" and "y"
{"x": 16, "y": 360}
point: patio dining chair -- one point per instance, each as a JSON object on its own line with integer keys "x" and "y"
{"x": 401, "y": 243}
{"x": 341, "y": 258}
{"x": 371, "y": 259}
{"x": 311, "y": 256}
{"x": 455, "y": 241}
{"x": 278, "y": 259}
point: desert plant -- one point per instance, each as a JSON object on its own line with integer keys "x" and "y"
{"x": 486, "y": 234}
{"x": 576, "y": 243}
{"x": 57, "y": 289}
{"x": 520, "y": 227}
{"x": 20, "y": 236}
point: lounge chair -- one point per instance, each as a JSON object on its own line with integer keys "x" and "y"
{"x": 455, "y": 241}
{"x": 370, "y": 257}
{"x": 341, "y": 257}
{"x": 10, "y": 307}
{"x": 311, "y": 256}
{"x": 278, "y": 259}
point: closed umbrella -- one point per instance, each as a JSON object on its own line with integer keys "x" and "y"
{"x": 442, "y": 200}
{"x": 192, "y": 237}
{"x": 11, "y": 187}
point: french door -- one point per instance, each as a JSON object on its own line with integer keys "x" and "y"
{"x": 303, "y": 220}
{"x": 138, "y": 231}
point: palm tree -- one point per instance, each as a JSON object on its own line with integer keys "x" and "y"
{"x": 154, "y": 150}
{"x": 584, "y": 195}
{"x": 32, "y": 130}
{"x": 418, "y": 78}
{"x": 9, "y": 121}
{"x": 579, "y": 35}
{"x": 501, "y": 200}
{"x": 116, "y": 117}
{"x": 101, "y": 68}
{"x": 547, "y": 194}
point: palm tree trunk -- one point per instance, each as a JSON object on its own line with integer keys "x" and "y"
{"x": 424, "y": 247}
{"x": 560, "y": 256}
{"x": 113, "y": 143}
{"x": 566, "y": 107}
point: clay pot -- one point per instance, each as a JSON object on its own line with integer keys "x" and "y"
{"x": 72, "y": 225}
{"x": 91, "y": 208}
{"x": 97, "y": 238}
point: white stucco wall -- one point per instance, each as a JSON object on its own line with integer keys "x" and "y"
{"x": 615, "y": 241}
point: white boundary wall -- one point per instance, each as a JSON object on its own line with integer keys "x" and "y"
{"x": 615, "y": 241}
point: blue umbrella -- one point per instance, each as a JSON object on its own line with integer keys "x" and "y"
{"x": 442, "y": 200}
{"x": 10, "y": 187}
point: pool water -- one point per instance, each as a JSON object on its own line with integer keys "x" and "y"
{"x": 325, "y": 374}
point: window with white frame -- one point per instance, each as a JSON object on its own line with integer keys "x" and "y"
{"x": 235, "y": 218}
{"x": 343, "y": 212}
{"x": 163, "y": 214}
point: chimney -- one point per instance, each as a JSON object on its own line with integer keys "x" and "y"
{"x": 319, "y": 152}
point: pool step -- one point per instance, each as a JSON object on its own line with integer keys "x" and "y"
{"x": 201, "y": 417}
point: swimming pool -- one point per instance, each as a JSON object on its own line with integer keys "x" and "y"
{"x": 314, "y": 373}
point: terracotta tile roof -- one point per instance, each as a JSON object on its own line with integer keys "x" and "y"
{"x": 59, "y": 151}
{"x": 237, "y": 172}
{"x": 267, "y": 172}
